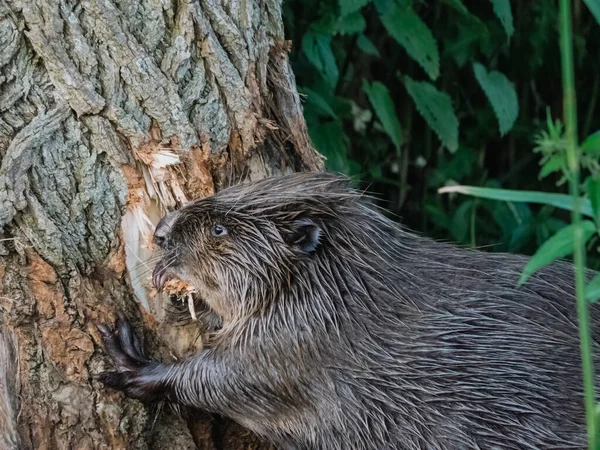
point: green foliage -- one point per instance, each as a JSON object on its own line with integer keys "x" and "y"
{"x": 387, "y": 84}
{"x": 351, "y": 24}
{"x": 407, "y": 28}
{"x": 558, "y": 246}
{"x": 383, "y": 105}
{"x": 366, "y": 45}
{"x": 333, "y": 144}
{"x": 591, "y": 145}
{"x": 592, "y": 186}
{"x": 317, "y": 48}
{"x": 579, "y": 238}
{"x": 318, "y": 102}
{"x": 436, "y": 108}
{"x": 552, "y": 145}
{"x": 594, "y": 6}
{"x": 351, "y": 6}
{"x": 562, "y": 201}
{"x": 501, "y": 94}
{"x": 467, "y": 64}
{"x": 504, "y": 13}
{"x": 458, "y": 5}
{"x": 592, "y": 291}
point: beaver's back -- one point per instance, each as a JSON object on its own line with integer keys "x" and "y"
{"x": 471, "y": 360}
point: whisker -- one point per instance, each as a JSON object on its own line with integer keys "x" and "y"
{"x": 136, "y": 256}
{"x": 146, "y": 275}
{"x": 168, "y": 265}
{"x": 146, "y": 264}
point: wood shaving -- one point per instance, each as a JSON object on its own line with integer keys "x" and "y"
{"x": 182, "y": 290}
{"x": 178, "y": 287}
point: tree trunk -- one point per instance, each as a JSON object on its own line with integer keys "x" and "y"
{"x": 111, "y": 113}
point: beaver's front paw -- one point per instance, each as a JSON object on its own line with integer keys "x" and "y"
{"x": 135, "y": 375}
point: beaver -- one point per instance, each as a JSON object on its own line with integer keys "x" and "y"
{"x": 340, "y": 329}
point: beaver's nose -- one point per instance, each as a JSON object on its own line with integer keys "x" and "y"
{"x": 164, "y": 228}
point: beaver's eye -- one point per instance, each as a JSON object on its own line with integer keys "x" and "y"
{"x": 219, "y": 230}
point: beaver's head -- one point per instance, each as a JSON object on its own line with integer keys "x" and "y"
{"x": 239, "y": 247}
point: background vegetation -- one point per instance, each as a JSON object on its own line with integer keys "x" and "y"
{"x": 421, "y": 98}
{"x": 413, "y": 96}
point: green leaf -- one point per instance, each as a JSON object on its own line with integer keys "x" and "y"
{"x": 553, "y": 224}
{"x": 554, "y": 164}
{"x": 461, "y": 221}
{"x": 384, "y": 107}
{"x": 592, "y": 185}
{"x": 504, "y": 13}
{"x": 436, "y": 108}
{"x": 592, "y": 290}
{"x": 470, "y": 37}
{"x": 594, "y": 7}
{"x": 438, "y": 216}
{"x": 562, "y": 201}
{"x": 317, "y": 48}
{"x": 520, "y": 236}
{"x": 505, "y": 214}
{"x": 316, "y": 100}
{"x": 350, "y": 6}
{"x": 501, "y": 94}
{"x": 351, "y": 24}
{"x": 558, "y": 246}
{"x": 331, "y": 141}
{"x": 458, "y": 5}
{"x": 366, "y": 45}
{"x": 592, "y": 143}
{"x": 406, "y": 27}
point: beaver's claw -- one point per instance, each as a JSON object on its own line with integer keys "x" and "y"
{"x": 135, "y": 375}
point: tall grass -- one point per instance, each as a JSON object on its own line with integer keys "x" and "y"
{"x": 573, "y": 157}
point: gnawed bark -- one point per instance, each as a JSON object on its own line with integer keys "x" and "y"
{"x": 111, "y": 113}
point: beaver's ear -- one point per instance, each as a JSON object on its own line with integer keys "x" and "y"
{"x": 304, "y": 235}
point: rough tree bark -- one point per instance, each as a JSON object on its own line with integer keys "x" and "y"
{"x": 112, "y": 112}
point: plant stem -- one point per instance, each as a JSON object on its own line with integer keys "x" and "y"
{"x": 570, "y": 117}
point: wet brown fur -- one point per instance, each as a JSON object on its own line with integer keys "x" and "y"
{"x": 337, "y": 329}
